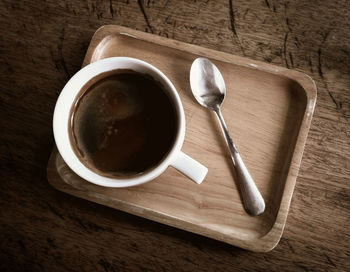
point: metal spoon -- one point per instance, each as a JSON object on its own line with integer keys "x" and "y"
{"x": 208, "y": 87}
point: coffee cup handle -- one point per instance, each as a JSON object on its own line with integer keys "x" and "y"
{"x": 189, "y": 167}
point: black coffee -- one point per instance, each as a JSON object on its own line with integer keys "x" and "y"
{"x": 123, "y": 124}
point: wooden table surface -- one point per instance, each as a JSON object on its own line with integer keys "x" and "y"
{"x": 42, "y": 44}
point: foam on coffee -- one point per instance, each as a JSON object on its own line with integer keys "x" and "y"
{"x": 122, "y": 124}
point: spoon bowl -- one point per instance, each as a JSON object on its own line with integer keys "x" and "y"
{"x": 207, "y": 83}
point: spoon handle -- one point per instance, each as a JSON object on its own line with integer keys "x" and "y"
{"x": 252, "y": 200}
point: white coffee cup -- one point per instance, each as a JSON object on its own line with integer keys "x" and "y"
{"x": 175, "y": 158}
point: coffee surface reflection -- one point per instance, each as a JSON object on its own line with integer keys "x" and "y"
{"x": 122, "y": 124}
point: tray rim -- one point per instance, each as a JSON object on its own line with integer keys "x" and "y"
{"x": 261, "y": 244}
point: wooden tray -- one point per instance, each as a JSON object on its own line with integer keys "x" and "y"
{"x": 268, "y": 110}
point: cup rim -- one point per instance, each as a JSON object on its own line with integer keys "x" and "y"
{"x": 62, "y": 113}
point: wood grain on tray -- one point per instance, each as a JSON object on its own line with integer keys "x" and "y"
{"x": 268, "y": 109}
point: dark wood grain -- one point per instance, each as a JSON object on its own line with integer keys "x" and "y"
{"x": 42, "y": 44}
